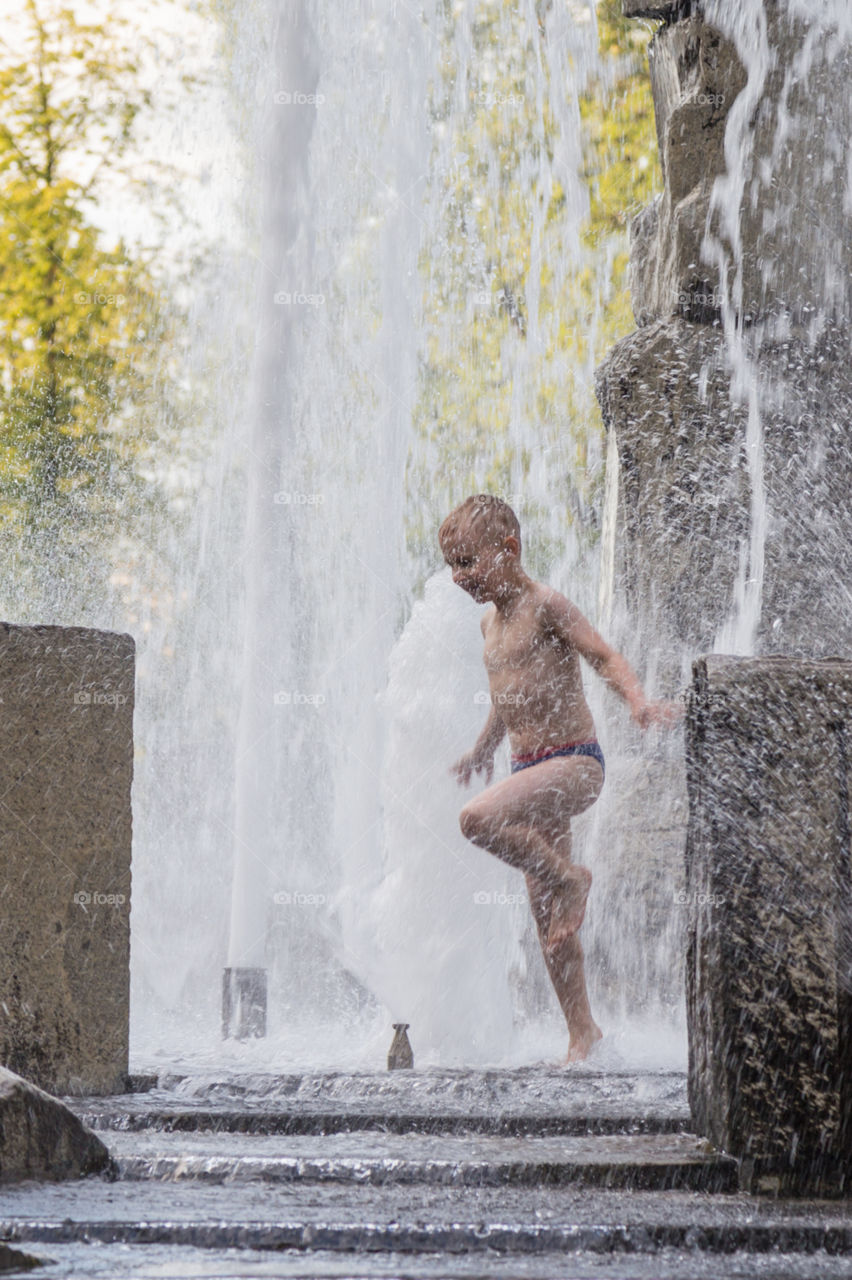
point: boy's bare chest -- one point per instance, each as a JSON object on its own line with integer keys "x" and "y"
{"x": 517, "y": 646}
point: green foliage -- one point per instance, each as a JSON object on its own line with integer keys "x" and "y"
{"x": 80, "y": 321}
{"x": 620, "y": 140}
{"x": 526, "y": 275}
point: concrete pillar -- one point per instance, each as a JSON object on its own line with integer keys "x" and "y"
{"x": 66, "y": 765}
{"x": 769, "y": 888}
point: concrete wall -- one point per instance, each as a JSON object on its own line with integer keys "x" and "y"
{"x": 66, "y": 765}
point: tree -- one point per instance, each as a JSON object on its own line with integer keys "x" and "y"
{"x": 79, "y": 321}
{"x": 621, "y": 160}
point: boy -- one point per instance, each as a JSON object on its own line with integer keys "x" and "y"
{"x": 534, "y": 639}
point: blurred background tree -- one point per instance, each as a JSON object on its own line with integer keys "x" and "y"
{"x": 524, "y": 269}
{"x": 83, "y": 389}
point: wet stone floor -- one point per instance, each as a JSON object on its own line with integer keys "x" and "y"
{"x": 526, "y": 1173}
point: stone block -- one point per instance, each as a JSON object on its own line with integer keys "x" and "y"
{"x": 682, "y": 493}
{"x": 685, "y": 500}
{"x": 769, "y": 888}
{"x": 65, "y": 828}
{"x": 16, "y": 1261}
{"x": 788, "y": 148}
{"x": 41, "y": 1139}
{"x": 795, "y": 258}
{"x": 695, "y": 78}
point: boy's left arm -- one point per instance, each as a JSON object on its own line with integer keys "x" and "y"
{"x": 569, "y": 624}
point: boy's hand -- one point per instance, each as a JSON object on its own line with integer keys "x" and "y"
{"x": 662, "y": 713}
{"x": 473, "y": 762}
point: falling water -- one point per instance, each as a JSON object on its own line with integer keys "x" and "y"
{"x": 784, "y": 298}
{"x": 360, "y": 678}
{"x": 360, "y": 144}
{"x": 738, "y": 633}
{"x": 351, "y": 883}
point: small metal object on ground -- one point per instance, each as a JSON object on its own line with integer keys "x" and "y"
{"x": 400, "y": 1054}
{"x": 243, "y": 1004}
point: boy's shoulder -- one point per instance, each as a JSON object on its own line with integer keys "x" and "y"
{"x": 549, "y": 602}
{"x": 549, "y": 606}
{"x": 557, "y": 615}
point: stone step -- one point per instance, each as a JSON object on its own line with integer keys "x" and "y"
{"x": 497, "y": 1173}
{"x": 452, "y": 1237}
{"x": 535, "y": 1101}
{"x": 654, "y": 1162}
{"x": 489, "y": 1225}
{"x": 312, "y": 1120}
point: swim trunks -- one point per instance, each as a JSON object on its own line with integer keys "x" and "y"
{"x": 592, "y": 749}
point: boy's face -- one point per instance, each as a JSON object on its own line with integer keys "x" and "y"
{"x": 476, "y": 561}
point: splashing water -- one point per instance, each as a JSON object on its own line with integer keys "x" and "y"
{"x": 351, "y": 881}
{"x": 352, "y": 886}
{"x": 778, "y": 239}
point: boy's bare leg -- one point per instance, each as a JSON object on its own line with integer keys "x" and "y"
{"x": 564, "y": 961}
{"x": 524, "y": 820}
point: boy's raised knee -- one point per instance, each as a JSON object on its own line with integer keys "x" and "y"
{"x": 470, "y": 822}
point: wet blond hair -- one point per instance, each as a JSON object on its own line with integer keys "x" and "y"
{"x": 485, "y": 515}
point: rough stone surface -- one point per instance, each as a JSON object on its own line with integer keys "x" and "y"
{"x": 795, "y": 260}
{"x": 457, "y": 1200}
{"x": 792, "y": 260}
{"x": 695, "y": 77}
{"x": 729, "y": 424}
{"x": 15, "y": 1260}
{"x": 769, "y": 883}
{"x": 670, "y": 10}
{"x": 685, "y": 505}
{"x": 65, "y": 775}
{"x": 40, "y": 1138}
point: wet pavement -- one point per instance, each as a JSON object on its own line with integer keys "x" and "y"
{"x": 525, "y": 1173}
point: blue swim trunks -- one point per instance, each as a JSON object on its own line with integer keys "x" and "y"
{"x": 592, "y": 749}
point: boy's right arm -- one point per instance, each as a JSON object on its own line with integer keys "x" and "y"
{"x": 481, "y": 757}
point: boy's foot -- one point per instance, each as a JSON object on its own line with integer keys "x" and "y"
{"x": 569, "y": 907}
{"x": 582, "y": 1045}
